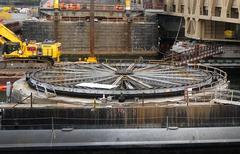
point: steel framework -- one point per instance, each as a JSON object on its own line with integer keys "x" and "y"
{"x": 130, "y": 79}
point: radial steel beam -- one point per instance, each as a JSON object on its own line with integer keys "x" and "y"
{"x": 131, "y": 67}
{"x": 129, "y": 86}
{"x": 110, "y": 79}
{"x": 139, "y": 82}
{"x": 118, "y": 80}
{"x": 109, "y": 67}
{"x": 170, "y": 77}
{"x": 148, "y": 80}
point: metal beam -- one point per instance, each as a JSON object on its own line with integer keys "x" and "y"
{"x": 91, "y": 28}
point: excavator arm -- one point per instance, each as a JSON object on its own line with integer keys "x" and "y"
{"x": 2, "y": 41}
{"x": 11, "y": 47}
{"x": 8, "y": 35}
{"x": 9, "y": 42}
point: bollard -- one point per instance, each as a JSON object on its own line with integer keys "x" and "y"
{"x": 31, "y": 99}
{"x": 167, "y": 126}
{"x": 8, "y": 92}
{"x": 94, "y": 103}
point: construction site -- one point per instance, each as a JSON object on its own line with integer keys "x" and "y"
{"x": 82, "y": 75}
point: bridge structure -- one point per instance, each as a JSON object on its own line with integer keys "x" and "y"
{"x": 211, "y": 20}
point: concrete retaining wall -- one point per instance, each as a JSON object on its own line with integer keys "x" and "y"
{"x": 110, "y": 37}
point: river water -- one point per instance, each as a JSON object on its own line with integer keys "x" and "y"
{"x": 233, "y": 77}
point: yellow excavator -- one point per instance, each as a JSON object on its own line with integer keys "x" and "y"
{"x": 13, "y": 48}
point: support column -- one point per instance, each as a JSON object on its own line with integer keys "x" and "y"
{"x": 198, "y": 30}
{"x": 91, "y": 34}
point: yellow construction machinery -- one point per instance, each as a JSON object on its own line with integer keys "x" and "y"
{"x": 56, "y": 5}
{"x": 6, "y": 9}
{"x": 229, "y": 34}
{"x": 4, "y": 15}
{"x": 128, "y": 5}
{"x": 13, "y": 48}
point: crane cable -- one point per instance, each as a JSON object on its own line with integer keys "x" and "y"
{"x": 179, "y": 28}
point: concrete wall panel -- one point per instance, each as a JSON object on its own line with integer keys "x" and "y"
{"x": 110, "y": 37}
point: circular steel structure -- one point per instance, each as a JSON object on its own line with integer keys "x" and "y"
{"x": 127, "y": 79}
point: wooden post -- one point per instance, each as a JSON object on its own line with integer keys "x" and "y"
{"x": 167, "y": 122}
{"x": 143, "y": 99}
{"x": 31, "y": 99}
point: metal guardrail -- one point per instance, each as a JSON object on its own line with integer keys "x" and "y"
{"x": 228, "y": 95}
{"x": 219, "y": 96}
{"x": 85, "y": 7}
{"x": 221, "y": 76}
{"x": 193, "y": 55}
{"x": 221, "y": 62}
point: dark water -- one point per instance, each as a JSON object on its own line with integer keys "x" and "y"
{"x": 205, "y": 149}
{"x": 233, "y": 77}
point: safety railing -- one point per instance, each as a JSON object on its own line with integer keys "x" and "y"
{"x": 193, "y": 55}
{"x": 85, "y": 6}
{"x": 219, "y": 96}
{"x": 220, "y": 77}
{"x": 95, "y": 123}
{"x": 119, "y": 18}
{"x": 228, "y": 95}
